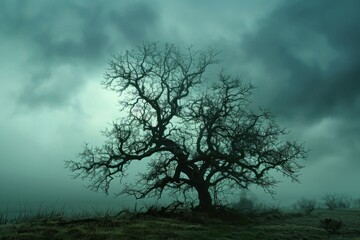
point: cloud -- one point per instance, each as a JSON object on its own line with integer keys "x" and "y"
{"x": 135, "y": 22}
{"x": 310, "y": 53}
{"x": 306, "y": 60}
{"x": 52, "y": 87}
{"x": 75, "y": 34}
{"x": 303, "y": 57}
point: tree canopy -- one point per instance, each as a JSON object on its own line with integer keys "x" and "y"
{"x": 198, "y": 138}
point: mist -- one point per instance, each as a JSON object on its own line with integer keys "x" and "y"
{"x": 302, "y": 56}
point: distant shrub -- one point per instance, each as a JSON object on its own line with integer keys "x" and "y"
{"x": 344, "y": 202}
{"x": 244, "y": 204}
{"x": 357, "y": 203}
{"x": 3, "y": 218}
{"x": 272, "y": 211}
{"x": 306, "y": 205}
{"x": 332, "y": 226}
{"x": 333, "y": 200}
{"x": 329, "y": 200}
{"x": 248, "y": 204}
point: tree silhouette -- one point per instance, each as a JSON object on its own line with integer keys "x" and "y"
{"x": 195, "y": 136}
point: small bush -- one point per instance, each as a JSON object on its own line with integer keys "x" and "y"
{"x": 344, "y": 201}
{"x": 3, "y": 218}
{"x": 244, "y": 205}
{"x": 306, "y": 205}
{"x": 329, "y": 201}
{"x": 248, "y": 204}
{"x": 332, "y": 201}
{"x": 357, "y": 203}
{"x": 332, "y": 226}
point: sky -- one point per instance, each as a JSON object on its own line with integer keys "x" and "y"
{"x": 302, "y": 56}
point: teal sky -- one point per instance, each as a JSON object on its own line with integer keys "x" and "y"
{"x": 303, "y": 57}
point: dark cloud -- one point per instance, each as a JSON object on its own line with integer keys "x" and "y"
{"x": 310, "y": 51}
{"x": 51, "y": 87}
{"x": 76, "y": 33}
{"x": 307, "y": 54}
{"x": 53, "y": 30}
{"x": 303, "y": 57}
{"x": 135, "y": 22}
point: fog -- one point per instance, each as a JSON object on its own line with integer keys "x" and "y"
{"x": 302, "y": 56}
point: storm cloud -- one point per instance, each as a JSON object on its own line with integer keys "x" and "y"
{"x": 302, "y": 56}
{"x": 311, "y": 52}
{"x": 64, "y": 39}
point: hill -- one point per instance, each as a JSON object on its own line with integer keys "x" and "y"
{"x": 267, "y": 225}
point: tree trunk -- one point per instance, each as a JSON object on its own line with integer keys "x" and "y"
{"x": 205, "y": 201}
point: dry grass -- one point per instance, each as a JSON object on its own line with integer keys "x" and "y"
{"x": 271, "y": 225}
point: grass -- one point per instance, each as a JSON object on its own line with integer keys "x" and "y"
{"x": 128, "y": 225}
{"x": 4, "y": 217}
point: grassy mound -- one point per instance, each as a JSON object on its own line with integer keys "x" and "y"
{"x": 185, "y": 225}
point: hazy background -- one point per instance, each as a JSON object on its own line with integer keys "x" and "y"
{"x": 303, "y": 57}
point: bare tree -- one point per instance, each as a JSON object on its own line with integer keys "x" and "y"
{"x": 307, "y": 205}
{"x": 196, "y": 137}
{"x": 334, "y": 200}
{"x": 330, "y": 200}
